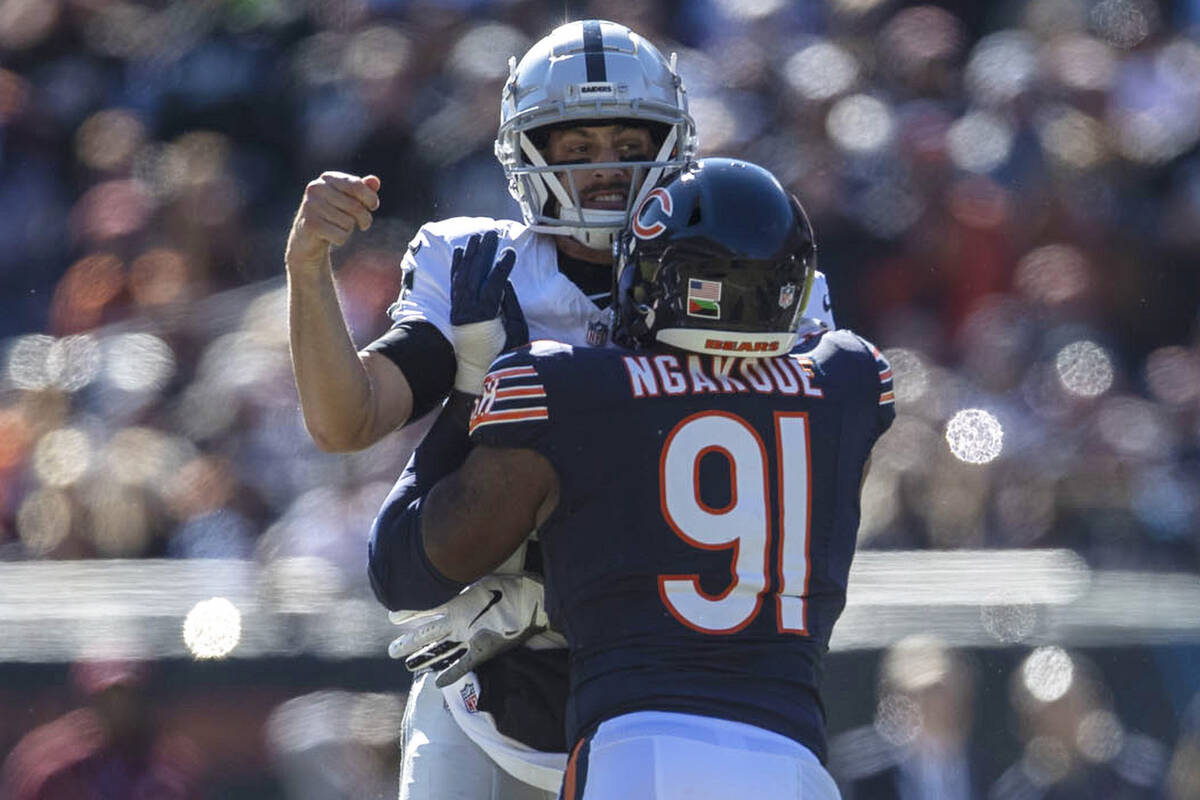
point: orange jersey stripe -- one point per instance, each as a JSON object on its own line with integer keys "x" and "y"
{"x": 517, "y": 415}
{"x": 513, "y": 372}
{"x": 887, "y": 397}
{"x": 520, "y": 391}
{"x": 569, "y": 788}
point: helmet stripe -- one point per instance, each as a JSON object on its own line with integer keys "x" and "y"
{"x": 593, "y": 51}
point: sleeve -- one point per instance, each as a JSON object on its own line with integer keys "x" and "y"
{"x": 425, "y": 357}
{"x": 399, "y": 570}
{"x": 887, "y": 394}
{"x": 426, "y": 293}
{"x": 514, "y": 410}
{"x": 819, "y": 305}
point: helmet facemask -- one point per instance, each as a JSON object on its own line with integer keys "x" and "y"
{"x": 589, "y": 73}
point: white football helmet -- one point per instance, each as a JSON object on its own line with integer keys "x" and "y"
{"x": 585, "y": 71}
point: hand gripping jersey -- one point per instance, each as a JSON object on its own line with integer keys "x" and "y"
{"x": 698, "y": 555}
{"x": 553, "y": 306}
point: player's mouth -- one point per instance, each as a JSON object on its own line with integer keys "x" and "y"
{"x": 606, "y": 200}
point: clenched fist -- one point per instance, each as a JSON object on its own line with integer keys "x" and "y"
{"x": 333, "y": 205}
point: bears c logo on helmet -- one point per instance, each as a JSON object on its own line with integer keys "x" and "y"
{"x": 650, "y": 231}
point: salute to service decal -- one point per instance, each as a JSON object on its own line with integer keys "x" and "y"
{"x": 703, "y": 299}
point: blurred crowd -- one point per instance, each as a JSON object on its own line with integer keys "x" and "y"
{"x": 1006, "y": 198}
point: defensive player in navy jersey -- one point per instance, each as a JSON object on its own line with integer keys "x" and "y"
{"x": 591, "y": 115}
{"x": 696, "y": 497}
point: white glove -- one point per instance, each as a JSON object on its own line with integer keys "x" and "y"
{"x": 490, "y": 616}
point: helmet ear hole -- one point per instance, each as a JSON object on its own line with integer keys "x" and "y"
{"x": 696, "y": 218}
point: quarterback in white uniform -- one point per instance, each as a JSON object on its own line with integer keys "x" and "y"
{"x": 591, "y": 117}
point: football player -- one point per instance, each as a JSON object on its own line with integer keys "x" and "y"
{"x": 591, "y": 116}
{"x": 696, "y": 497}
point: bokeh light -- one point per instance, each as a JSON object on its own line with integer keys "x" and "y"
{"x": 975, "y": 436}
{"x": 1173, "y": 375}
{"x": 378, "y": 53}
{"x": 158, "y": 277}
{"x": 898, "y": 719}
{"x": 1047, "y": 674}
{"x": 25, "y": 23}
{"x": 62, "y": 457}
{"x": 118, "y": 520}
{"x": 920, "y": 36}
{"x": 1134, "y": 427}
{"x": 108, "y": 140}
{"x": 143, "y": 455}
{"x": 212, "y": 628}
{"x": 1046, "y": 760}
{"x": 1071, "y": 138}
{"x": 1124, "y": 23}
{"x": 1053, "y": 273}
{"x": 910, "y": 375}
{"x": 1100, "y": 736}
{"x": 44, "y": 520}
{"x": 1084, "y": 368}
{"x": 860, "y": 124}
{"x": 138, "y": 362}
{"x": 73, "y": 362}
{"x": 980, "y": 142}
{"x": 821, "y": 71}
{"x": 28, "y": 358}
{"x": 1001, "y": 66}
{"x": 749, "y": 9}
{"x": 483, "y": 51}
{"x": 1081, "y": 62}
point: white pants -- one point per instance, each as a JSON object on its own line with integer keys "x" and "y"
{"x": 658, "y": 755}
{"x": 439, "y": 762}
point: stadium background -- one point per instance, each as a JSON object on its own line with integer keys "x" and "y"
{"x": 1006, "y": 198}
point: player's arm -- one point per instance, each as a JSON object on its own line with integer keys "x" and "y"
{"x": 349, "y": 400}
{"x": 479, "y": 515}
{"x": 425, "y": 550}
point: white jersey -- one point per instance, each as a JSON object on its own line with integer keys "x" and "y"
{"x": 554, "y": 307}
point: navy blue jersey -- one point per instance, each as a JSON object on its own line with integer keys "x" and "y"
{"x": 698, "y": 555}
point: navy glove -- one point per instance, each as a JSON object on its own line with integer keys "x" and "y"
{"x": 479, "y": 290}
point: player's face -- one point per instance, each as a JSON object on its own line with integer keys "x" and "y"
{"x": 601, "y": 188}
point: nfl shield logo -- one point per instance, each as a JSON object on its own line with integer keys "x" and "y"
{"x": 469, "y": 697}
{"x": 597, "y": 334}
{"x": 787, "y": 295}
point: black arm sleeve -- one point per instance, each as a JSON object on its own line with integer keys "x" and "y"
{"x": 425, "y": 357}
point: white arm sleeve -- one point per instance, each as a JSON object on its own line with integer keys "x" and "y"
{"x": 820, "y": 306}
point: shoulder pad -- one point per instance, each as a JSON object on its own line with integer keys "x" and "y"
{"x": 456, "y": 230}
{"x": 541, "y": 348}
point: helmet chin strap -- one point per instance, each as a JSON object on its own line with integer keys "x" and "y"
{"x": 596, "y": 238}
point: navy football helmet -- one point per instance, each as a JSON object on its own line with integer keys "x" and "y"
{"x": 719, "y": 258}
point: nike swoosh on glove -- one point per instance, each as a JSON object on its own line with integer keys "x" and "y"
{"x": 479, "y": 288}
{"x": 490, "y": 616}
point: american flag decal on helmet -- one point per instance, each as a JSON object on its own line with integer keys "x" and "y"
{"x": 510, "y": 394}
{"x": 703, "y": 298}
